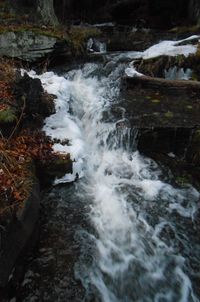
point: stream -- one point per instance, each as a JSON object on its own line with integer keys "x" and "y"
{"x": 134, "y": 235}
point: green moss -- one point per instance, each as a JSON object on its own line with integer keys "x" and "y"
{"x": 50, "y": 32}
{"x": 185, "y": 29}
{"x": 182, "y": 180}
{"x": 169, "y": 114}
{"x": 7, "y": 116}
{"x": 155, "y": 101}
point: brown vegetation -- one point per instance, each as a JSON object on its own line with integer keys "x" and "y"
{"x": 18, "y": 148}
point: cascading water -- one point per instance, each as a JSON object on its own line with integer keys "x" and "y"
{"x": 141, "y": 245}
{"x": 175, "y": 73}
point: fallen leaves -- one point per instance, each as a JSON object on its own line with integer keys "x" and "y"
{"x": 16, "y": 157}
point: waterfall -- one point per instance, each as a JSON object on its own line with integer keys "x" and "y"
{"x": 175, "y": 73}
{"x": 138, "y": 246}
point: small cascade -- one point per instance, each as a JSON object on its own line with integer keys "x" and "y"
{"x": 94, "y": 45}
{"x": 141, "y": 243}
{"x": 175, "y": 73}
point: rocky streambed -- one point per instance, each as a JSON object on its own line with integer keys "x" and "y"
{"x": 126, "y": 221}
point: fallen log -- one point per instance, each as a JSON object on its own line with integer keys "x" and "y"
{"x": 160, "y": 84}
{"x": 156, "y": 102}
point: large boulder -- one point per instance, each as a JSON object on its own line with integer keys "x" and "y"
{"x": 30, "y": 93}
{"x": 26, "y": 45}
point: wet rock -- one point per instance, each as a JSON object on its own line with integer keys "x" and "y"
{"x": 54, "y": 169}
{"x": 166, "y": 115}
{"x": 156, "y": 67}
{"x": 37, "y": 104}
{"x": 127, "y": 39}
{"x": 169, "y": 140}
{"x": 50, "y": 274}
{"x": 17, "y": 232}
{"x": 151, "y": 102}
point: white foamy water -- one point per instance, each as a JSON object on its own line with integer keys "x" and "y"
{"x": 137, "y": 247}
{"x": 168, "y": 48}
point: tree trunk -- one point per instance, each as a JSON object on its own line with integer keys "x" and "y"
{"x": 194, "y": 11}
{"x": 45, "y": 10}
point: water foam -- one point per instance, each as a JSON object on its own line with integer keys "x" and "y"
{"x": 163, "y": 48}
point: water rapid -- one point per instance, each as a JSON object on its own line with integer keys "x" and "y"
{"x": 142, "y": 243}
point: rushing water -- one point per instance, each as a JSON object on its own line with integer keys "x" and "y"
{"x": 142, "y": 244}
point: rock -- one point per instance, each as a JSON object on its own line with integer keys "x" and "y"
{"x": 30, "y": 94}
{"x": 156, "y": 67}
{"x": 16, "y": 234}
{"x": 26, "y": 45}
{"x": 165, "y": 114}
{"x": 159, "y": 140}
{"x": 50, "y": 276}
{"x": 56, "y": 168}
{"x": 125, "y": 39}
{"x": 161, "y": 103}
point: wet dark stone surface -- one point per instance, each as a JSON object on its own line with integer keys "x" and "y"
{"x": 16, "y": 234}
{"x": 30, "y": 95}
{"x": 148, "y": 107}
{"x": 50, "y": 274}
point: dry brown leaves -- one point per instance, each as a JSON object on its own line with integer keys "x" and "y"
{"x": 15, "y": 166}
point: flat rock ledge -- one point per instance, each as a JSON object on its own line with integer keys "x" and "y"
{"x": 156, "y": 102}
{"x": 26, "y": 45}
